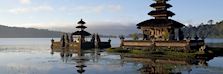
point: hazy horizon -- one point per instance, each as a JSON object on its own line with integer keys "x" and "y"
{"x": 100, "y": 29}
{"x": 116, "y": 16}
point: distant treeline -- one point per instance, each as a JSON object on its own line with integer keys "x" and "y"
{"x": 208, "y": 30}
{"x": 19, "y": 32}
{"x": 108, "y": 36}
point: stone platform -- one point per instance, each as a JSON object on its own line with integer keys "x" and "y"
{"x": 182, "y": 44}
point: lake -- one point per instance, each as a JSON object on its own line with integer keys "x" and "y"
{"x": 33, "y": 56}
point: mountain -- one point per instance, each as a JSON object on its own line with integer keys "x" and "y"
{"x": 107, "y": 28}
{"x": 19, "y": 32}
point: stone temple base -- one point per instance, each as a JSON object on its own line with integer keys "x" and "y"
{"x": 182, "y": 44}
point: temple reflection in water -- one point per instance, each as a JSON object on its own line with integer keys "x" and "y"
{"x": 67, "y": 54}
{"x": 148, "y": 65}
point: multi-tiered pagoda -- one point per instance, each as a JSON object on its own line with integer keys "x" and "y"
{"x": 161, "y": 27}
{"x": 82, "y": 34}
{"x": 161, "y": 31}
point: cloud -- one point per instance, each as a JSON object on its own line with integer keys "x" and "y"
{"x": 96, "y": 9}
{"x": 25, "y": 1}
{"x": 93, "y": 9}
{"x": 44, "y": 8}
{"x": 115, "y": 8}
{"x": 84, "y": 9}
{"x": 115, "y": 27}
{"x": 107, "y": 28}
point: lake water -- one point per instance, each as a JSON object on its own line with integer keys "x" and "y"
{"x": 33, "y": 56}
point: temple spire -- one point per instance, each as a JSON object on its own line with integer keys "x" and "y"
{"x": 81, "y": 25}
{"x": 161, "y": 27}
{"x": 161, "y": 11}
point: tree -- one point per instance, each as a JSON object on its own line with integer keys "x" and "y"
{"x": 204, "y": 30}
{"x": 202, "y": 24}
{"x": 134, "y": 36}
{"x": 122, "y": 37}
{"x": 210, "y": 22}
{"x": 215, "y": 30}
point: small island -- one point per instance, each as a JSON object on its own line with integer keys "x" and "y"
{"x": 76, "y": 41}
{"x": 162, "y": 38}
{"x": 162, "y": 31}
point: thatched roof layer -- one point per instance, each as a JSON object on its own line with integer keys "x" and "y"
{"x": 84, "y": 33}
{"x": 160, "y": 23}
{"x": 161, "y": 4}
{"x": 159, "y": 12}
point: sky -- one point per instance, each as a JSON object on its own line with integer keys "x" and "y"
{"x": 62, "y": 15}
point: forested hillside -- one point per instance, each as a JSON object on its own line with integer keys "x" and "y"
{"x": 208, "y": 30}
{"x": 18, "y": 32}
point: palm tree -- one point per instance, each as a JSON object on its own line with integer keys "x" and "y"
{"x": 210, "y": 22}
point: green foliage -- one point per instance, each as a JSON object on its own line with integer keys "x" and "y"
{"x": 134, "y": 36}
{"x": 137, "y": 51}
{"x": 117, "y": 50}
{"x": 120, "y": 50}
{"x": 218, "y": 30}
{"x": 209, "y": 30}
{"x": 166, "y": 35}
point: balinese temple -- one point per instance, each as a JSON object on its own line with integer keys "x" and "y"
{"x": 82, "y": 34}
{"x": 161, "y": 31}
{"x": 77, "y": 40}
{"x": 161, "y": 27}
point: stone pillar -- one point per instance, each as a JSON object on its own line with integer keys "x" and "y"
{"x": 52, "y": 42}
{"x": 122, "y": 38}
{"x": 176, "y": 33}
{"x": 71, "y": 38}
{"x": 79, "y": 49}
{"x": 181, "y": 35}
{"x": 171, "y": 37}
{"x": 96, "y": 43}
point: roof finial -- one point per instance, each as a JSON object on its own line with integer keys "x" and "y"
{"x": 81, "y": 22}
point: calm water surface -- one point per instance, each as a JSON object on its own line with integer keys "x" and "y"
{"x": 33, "y": 56}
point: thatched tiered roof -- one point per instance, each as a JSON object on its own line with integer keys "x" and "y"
{"x": 161, "y": 15}
{"x": 82, "y": 27}
{"x": 160, "y": 23}
{"x": 81, "y": 22}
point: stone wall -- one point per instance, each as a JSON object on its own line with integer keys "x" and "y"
{"x": 185, "y": 44}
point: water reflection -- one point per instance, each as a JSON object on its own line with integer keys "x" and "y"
{"x": 67, "y": 54}
{"x": 80, "y": 60}
{"x": 33, "y": 57}
{"x": 160, "y": 65}
{"x": 147, "y": 65}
